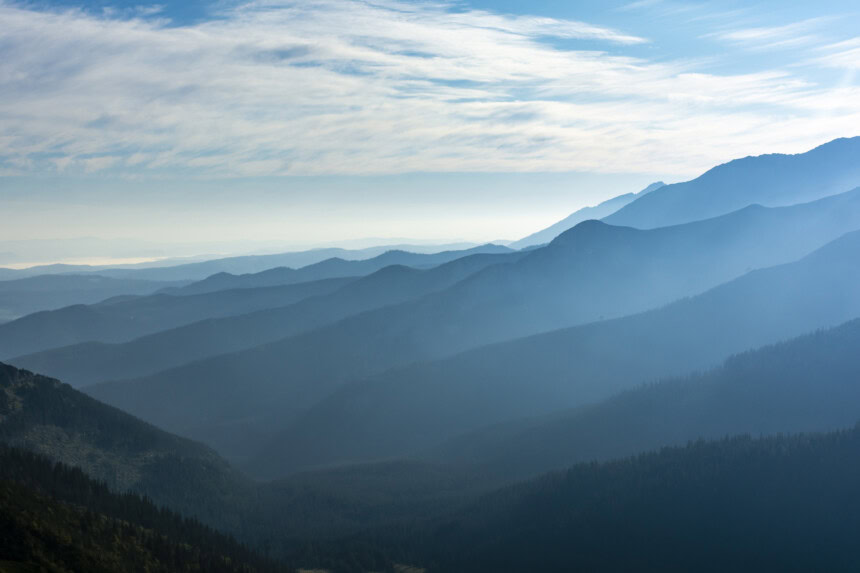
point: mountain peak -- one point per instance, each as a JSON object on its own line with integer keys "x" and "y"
{"x": 772, "y": 180}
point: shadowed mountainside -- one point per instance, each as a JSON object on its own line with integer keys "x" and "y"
{"x": 775, "y": 504}
{"x": 48, "y": 417}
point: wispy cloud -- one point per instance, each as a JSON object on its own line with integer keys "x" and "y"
{"x": 770, "y": 37}
{"x": 844, "y": 55}
{"x": 343, "y": 86}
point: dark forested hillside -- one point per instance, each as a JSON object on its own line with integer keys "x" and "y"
{"x": 777, "y": 504}
{"x": 406, "y": 410}
{"x": 769, "y": 180}
{"x": 53, "y": 419}
{"x": 54, "y": 518}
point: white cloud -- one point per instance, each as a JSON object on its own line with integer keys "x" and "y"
{"x": 343, "y": 86}
{"x": 771, "y": 37}
{"x": 842, "y": 55}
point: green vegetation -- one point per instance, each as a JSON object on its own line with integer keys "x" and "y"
{"x": 43, "y": 415}
{"x": 54, "y": 518}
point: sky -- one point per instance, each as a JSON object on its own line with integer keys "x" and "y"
{"x": 233, "y": 125}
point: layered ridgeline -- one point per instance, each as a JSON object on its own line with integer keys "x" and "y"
{"x": 770, "y": 180}
{"x": 186, "y": 270}
{"x": 27, "y": 295}
{"x": 55, "y": 518}
{"x": 93, "y": 362}
{"x": 598, "y": 211}
{"x": 808, "y": 384}
{"x": 121, "y": 319}
{"x": 349, "y": 499}
{"x": 45, "y": 416}
{"x": 404, "y": 411}
{"x": 332, "y": 268}
{"x": 125, "y": 318}
{"x": 591, "y": 272}
{"x": 777, "y": 504}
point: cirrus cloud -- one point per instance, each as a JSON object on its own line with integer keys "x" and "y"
{"x": 358, "y": 87}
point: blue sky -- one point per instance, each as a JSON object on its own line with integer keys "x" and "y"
{"x": 326, "y": 120}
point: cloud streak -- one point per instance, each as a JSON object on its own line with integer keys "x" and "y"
{"x": 352, "y": 87}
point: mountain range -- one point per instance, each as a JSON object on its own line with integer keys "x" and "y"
{"x": 592, "y": 272}
{"x": 644, "y": 392}
{"x": 403, "y": 411}
{"x": 770, "y": 180}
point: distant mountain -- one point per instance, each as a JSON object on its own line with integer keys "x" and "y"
{"x": 809, "y": 384}
{"x": 183, "y": 270}
{"x": 599, "y": 211}
{"x": 770, "y": 505}
{"x": 411, "y": 409}
{"x": 591, "y": 272}
{"x": 770, "y": 180}
{"x": 47, "y": 292}
{"x": 89, "y": 363}
{"x": 121, "y": 319}
{"x": 43, "y": 415}
{"x": 331, "y": 268}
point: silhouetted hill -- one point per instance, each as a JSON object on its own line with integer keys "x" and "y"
{"x": 331, "y": 268}
{"x": 599, "y": 211}
{"x": 776, "y": 504}
{"x": 92, "y": 362}
{"x": 593, "y": 271}
{"x": 404, "y": 411}
{"x": 46, "y": 416}
{"x": 47, "y": 292}
{"x": 122, "y": 319}
{"x": 809, "y": 384}
{"x": 770, "y": 180}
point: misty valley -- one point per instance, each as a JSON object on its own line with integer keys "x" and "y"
{"x": 666, "y": 381}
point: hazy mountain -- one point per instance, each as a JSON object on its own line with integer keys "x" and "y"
{"x": 414, "y": 408}
{"x": 770, "y": 180}
{"x": 590, "y": 272}
{"x": 776, "y": 504}
{"x": 331, "y": 268}
{"x": 809, "y": 384}
{"x": 45, "y": 416}
{"x": 47, "y": 292}
{"x": 194, "y": 269}
{"x": 586, "y": 213}
{"x": 122, "y": 319}
{"x": 93, "y": 362}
